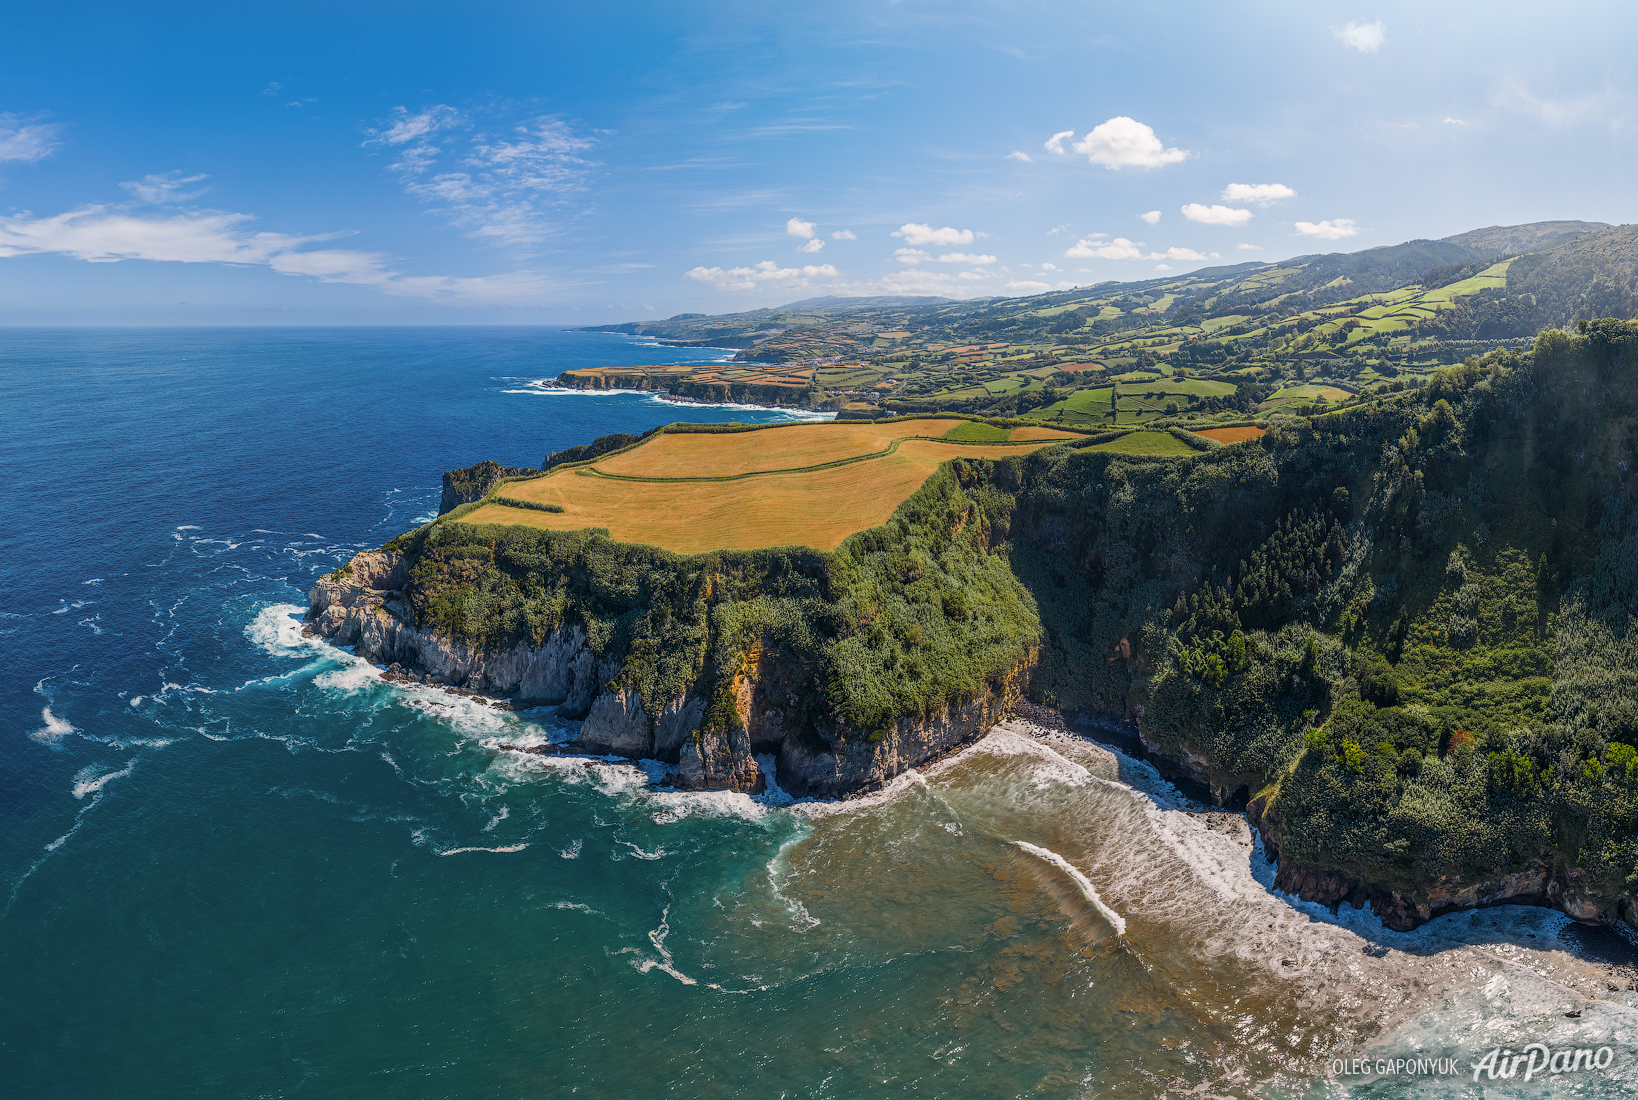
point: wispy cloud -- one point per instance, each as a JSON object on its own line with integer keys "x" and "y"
{"x": 965, "y": 258}
{"x": 1018, "y": 155}
{"x": 164, "y": 188}
{"x": 1607, "y": 105}
{"x": 103, "y": 234}
{"x": 843, "y": 235}
{"x": 24, "y": 138}
{"x": 505, "y": 187}
{"x": 1364, "y": 37}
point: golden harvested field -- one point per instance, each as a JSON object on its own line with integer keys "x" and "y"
{"x": 818, "y": 508}
{"x": 1230, "y": 435}
{"x": 784, "y": 448}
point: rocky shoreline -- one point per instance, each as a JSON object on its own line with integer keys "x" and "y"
{"x": 776, "y": 709}
{"x": 363, "y": 605}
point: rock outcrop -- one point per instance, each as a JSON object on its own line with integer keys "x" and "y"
{"x": 474, "y": 483}
{"x": 775, "y": 709}
{"x": 1538, "y": 882}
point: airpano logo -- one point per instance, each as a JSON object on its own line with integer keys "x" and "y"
{"x": 1538, "y": 1060}
{"x": 1501, "y": 1064}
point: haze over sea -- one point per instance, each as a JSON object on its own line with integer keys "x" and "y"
{"x": 237, "y": 863}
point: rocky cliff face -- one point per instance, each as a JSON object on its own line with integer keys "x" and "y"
{"x": 1539, "y": 882}
{"x": 774, "y": 709}
{"x": 474, "y": 482}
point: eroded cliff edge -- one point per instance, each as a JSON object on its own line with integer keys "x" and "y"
{"x": 847, "y": 669}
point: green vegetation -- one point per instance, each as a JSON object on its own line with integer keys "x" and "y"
{"x": 1405, "y": 626}
{"x": 1214, "y": 345}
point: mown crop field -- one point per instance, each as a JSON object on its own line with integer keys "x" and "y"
{"x": 661, "y": 493}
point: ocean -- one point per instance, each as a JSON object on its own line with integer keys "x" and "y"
{"x": 236, "y": 863}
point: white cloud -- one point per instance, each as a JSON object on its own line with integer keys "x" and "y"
{"x": 164, "y": 188}
{"x": 1260, "y": 193}
{"x": 1163, "y": 267}
{"x": 1333, "y": 230}
{"x": 509, "y": 180}
{"x": 963, "y": 258}
{"x": 1151, "y": 217}
{"x": 1454, "y": 121}
{"x": 1118, "y": 249}
{"x": 100, "y": 234}
{"x": 917, "y": 234}
{"x": 1027, "y": 287}
{"x": 1215, "y": 215}
{"x": 1364, "y": 37}
{"x": 796, "y": 227}
{"x": 1044, "y": 267}
{"x": 1055, "y": 143}
{"x": 1126, "y": 143}
{"x": 1249, "y": 247}
{"x": 911, "y": 255}
{"x": 766, "y": 273}
{"x": 1180, "y": 254}
{"x": 25, "y": 140}
{"x": 843, "y": 235}
{"x": 1064, "y": 228}
{"x": 1017, "y": 155}
{"x": 812, "y": 246}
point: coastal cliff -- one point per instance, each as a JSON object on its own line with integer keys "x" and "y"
{"x": 1403, "y": 635}
{"x": 681, "y": 387}
{"x": 773, "y": 707}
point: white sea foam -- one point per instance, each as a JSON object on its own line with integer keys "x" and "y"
{"x": 507, "y": 848}
{"x": 778, "y": 875}
{"x": 54, "y": 730}
{"x": 1089, "y": 891}
{"x": 498, "y": 818}
{"x": 664, "y": 962}
{"x": 277, "y": 629}
{"x": 572, "y": 851}
{"x": 92, "y": 778}
{"x": 577, "y": 906}
{"x": 190, "y": 527}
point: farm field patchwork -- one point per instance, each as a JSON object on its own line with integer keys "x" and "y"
{"x": 656, "y": 492}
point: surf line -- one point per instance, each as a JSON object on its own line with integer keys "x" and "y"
{"x": 1088, "y": 891}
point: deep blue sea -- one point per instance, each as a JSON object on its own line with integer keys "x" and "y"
{"x": 235, "y": 863}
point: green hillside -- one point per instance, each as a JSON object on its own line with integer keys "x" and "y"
{"x": 1254, "y": 339}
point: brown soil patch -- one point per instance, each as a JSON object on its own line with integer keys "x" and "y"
{"x": 1230, "y": 435}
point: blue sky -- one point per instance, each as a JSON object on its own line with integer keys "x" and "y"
{"x": 583, "y": 163}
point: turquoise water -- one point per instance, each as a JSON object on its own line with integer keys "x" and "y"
{"x": 236, "y": 863}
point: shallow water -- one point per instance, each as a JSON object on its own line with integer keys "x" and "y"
{"x": 236, "y": 862}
